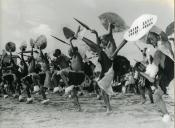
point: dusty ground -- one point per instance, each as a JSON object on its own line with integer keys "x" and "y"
{"x": 59, "y": 113}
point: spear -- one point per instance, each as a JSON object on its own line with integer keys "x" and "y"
{"x": 83, "y": 24}
{"x": 60, "y": 40}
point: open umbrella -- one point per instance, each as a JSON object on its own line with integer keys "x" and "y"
{"x": 137, "y": 30}
{"x": 170, "y": 29}
{"x": 113, "y": 18}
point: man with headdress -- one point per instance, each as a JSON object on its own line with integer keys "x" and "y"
{"x": 12, "y": 76}
{"x": 60, "y": 62}
{"x": 74, "y": 75}
{"x": 108, "y": 46}
{"x": 106, "y": 41}
{"x": 163, "y": 59}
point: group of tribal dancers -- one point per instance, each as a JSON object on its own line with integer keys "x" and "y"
{"x": 74, "y": 72}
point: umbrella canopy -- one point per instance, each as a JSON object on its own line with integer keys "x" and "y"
{"x": 113, "y": 18}
{"x": 140, "y": 27}
{"x": 170, "y": 29}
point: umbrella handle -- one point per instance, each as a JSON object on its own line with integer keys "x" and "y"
{"x": 119, "y": 47}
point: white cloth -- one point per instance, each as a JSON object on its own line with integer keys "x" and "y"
{"x": 69, "y": 89}
{"x": 151, "y": 70}
{"x": 106, "y": 82}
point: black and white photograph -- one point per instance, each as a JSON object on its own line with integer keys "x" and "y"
{"x": 87, "y": 64}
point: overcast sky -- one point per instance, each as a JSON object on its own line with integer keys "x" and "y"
{"x": 21, "y": 20}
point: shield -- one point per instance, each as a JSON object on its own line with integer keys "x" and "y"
{"x": 93, "y": 46}
{"x": 68, "y": 33}
{"x": 113, "y": 18}
{"x": 170, "y": 29}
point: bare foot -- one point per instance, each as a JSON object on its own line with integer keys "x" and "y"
{"x": 78, "y": 109}
{"x": 143, "y": 101}
{"x": 21, "y": 98}
{"x": 29, "y": 100}
{"x": 5, "y": 96}
{"x": 45, "y": 101}
{"x": 108, "y": 111}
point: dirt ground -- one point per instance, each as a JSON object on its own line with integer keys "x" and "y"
{"x": 128, "y": 112}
